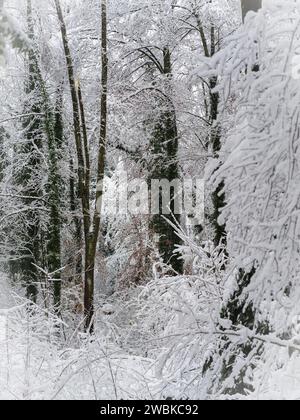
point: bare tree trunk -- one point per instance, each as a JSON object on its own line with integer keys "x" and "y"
{"x": 77, "y": 233}
{"x": 91, "y": 231}
{"x": 94, "y": 234}
{"x": 76, "y": 119}
{"x": 84, "y": 188}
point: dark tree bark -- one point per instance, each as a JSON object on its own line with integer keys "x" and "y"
{"x": 94, "y": 233}
{"x": 3, "y": 154}
{"x": 91, "y": 224}
{"x": 34, "y": 132}
{"x": 165, "y": 166}
{"x": 84, "y": 189}
{"x": 55, "y": 142}
{"x": 209, "y": 44}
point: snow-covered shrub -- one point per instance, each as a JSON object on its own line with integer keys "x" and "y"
{"x": 37, "y": 364}
{"x": 260, "y": 158}
{"x": 259, "y": 164}
{"x": 176, "y": 317}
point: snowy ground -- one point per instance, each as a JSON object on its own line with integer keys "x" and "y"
{"x": 34, "y": 365}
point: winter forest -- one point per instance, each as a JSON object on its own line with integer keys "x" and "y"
{"x": 150, "y": 200}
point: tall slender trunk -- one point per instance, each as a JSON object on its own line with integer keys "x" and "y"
{"x": 3, "y": 154}
{"x": 84, "y": 189}
{"x": 91, "y": 227}
{"x": 55, "y": 141}
{"x": 94, "y": 233}
{"x": 75, "y": 210}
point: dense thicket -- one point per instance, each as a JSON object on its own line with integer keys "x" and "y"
{"x": 105, "y": 94}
